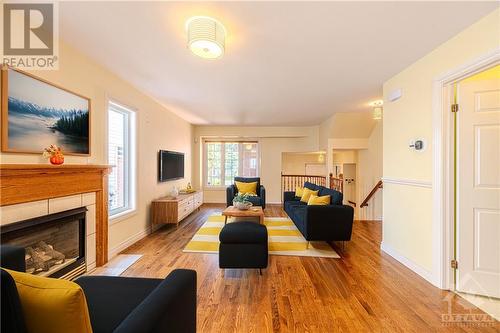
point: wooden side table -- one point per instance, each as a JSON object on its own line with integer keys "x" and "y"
{"x": 232, "y": 211}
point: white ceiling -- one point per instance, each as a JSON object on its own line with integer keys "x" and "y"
{"x": 286, "y": 63}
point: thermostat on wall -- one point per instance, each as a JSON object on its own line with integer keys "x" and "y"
{"x": 417, "y": 144}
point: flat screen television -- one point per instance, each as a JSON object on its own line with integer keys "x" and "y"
{"x": 170, "y": 165}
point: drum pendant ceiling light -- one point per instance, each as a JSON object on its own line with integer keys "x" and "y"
{"x": 206, "y": 37}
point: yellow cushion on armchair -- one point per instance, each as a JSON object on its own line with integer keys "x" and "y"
{"x": 52, "y": 305}
{"x": 246, "y": 188}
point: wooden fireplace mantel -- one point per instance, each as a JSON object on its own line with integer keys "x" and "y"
{"x": 21, "y": 183}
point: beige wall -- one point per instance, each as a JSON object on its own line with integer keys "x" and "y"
{"x": 345, "y": 156}
{"x": 273, "y": 141}
{"x": 408, "y": 225}
{"x": 157, "y": 128}
{"x": 369, "y": 173}
{"x": 325, "y": 133}
{"x": 348, "y": 128}
{"x": 295, "y": 164}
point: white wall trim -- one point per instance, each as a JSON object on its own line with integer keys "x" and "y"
{"x": 128, "y": 242}
{"x": 442, "y": 178}
{"x": 408, "y": 263}
{"x": 407, "y": 182}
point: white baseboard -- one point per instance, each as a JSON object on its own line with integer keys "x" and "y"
{"x": 408, "y": 263}
{"x": 128, "y": 242}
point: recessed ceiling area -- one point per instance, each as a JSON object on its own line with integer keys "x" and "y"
{"x": 285, "y": 63}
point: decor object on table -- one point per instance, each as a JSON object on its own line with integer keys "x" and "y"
{"x": 257, "y": 200}
{"x": 206, "y": 37}
{"x": 110, "y": 304}
{"x": 241, "y": 201}
{"x": 36, "y": 113}
{"x": 283, "y": 236}
{"x": 331, "y": 222}
{"x": 54, "y": 154}
{"x": 174, "y": 193}
{"x": 189, "y": 189}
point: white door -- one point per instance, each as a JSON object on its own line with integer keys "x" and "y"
{"x": 349, "y": 182}
{"x": 478, "y": 187}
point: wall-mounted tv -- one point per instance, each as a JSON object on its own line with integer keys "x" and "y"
{"x": 170, "y": 165}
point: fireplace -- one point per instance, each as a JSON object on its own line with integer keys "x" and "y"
{"x": 54, "y": 244}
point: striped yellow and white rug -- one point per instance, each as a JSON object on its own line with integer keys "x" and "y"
{"x": 284, "y": 239}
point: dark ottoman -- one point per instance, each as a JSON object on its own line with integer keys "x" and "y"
{"x": 243, "y": 245}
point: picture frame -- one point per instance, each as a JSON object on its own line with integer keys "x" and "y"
{"x": 36, "y": 113}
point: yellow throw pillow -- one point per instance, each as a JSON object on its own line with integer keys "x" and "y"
{"x": 52, "y": 305}
{"x": 319, "y": 201}
{"x": 299, "y": 191}
{"x": 306, "y": 194}
{"x": 246, "y": 188}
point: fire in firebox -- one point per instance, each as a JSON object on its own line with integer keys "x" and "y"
{"x": 42, "y": 257}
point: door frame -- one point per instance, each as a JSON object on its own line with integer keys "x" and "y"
{"x": 442, "y": 174}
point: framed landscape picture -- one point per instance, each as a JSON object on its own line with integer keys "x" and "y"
{"x": 36, "y": 114}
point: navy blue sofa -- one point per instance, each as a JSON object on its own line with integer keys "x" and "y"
{"x": 259, "y": 200}
{"x": 331, "y": 222}
{"x": 116, "y": 304}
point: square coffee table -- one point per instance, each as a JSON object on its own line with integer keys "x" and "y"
{"x": 251, "y": 212}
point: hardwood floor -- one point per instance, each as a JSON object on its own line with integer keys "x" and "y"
{"x": 364, "y": 291}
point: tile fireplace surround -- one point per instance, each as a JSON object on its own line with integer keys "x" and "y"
{"x": 20, "y": 212}
{"x": 32, "y": 190}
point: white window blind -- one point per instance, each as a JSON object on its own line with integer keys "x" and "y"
{"x": 225, "y": 160}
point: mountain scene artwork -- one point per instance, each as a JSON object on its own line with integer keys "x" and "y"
{"x": 40, "y": 114}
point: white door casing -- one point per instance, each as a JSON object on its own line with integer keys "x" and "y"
{"x": 478, "y": 187}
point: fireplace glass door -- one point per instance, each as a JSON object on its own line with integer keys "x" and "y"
{"x": 54, "y": 244}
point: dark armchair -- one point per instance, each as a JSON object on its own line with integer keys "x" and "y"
{"x": 259, "y": 200}
{"x": 116, "y": 304}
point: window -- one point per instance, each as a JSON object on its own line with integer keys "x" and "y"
{"x": 121, "y": 154}
{"x": 226, "y": 160}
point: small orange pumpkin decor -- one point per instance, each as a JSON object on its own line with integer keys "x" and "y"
{"x": 54, "y": 154}
{"x": 57, "y": 159}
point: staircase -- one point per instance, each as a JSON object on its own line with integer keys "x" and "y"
{"x": 377, "y": 186}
